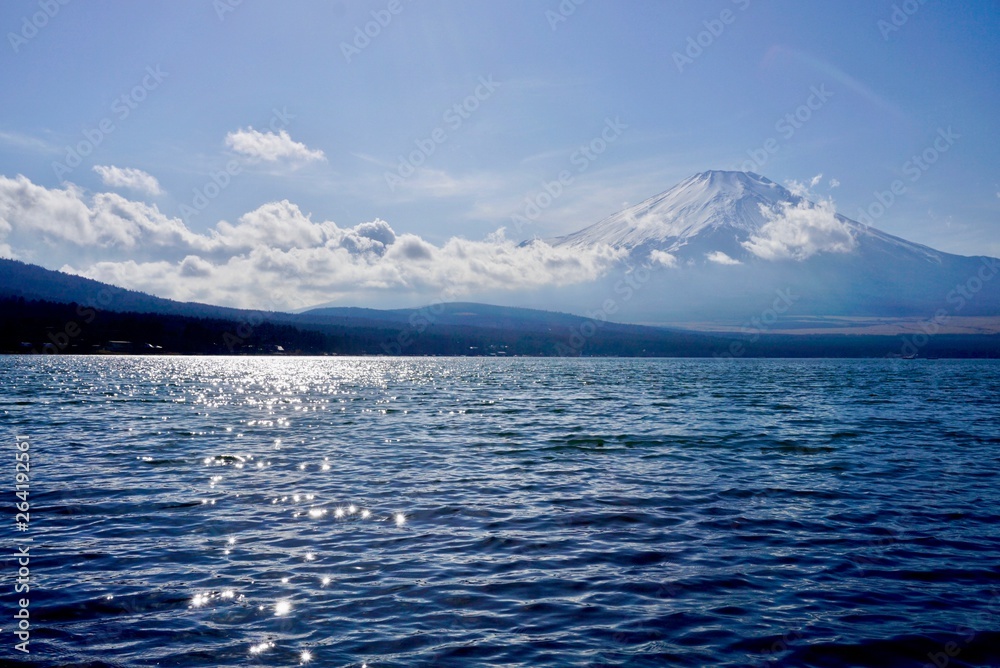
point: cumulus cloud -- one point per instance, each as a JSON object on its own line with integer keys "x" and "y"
{"x": 270, "y": 147}
{"x": 192, "y": 265}
{"x": 719, "y": 257}
{"x": 128, "y": 177}
{"x": 799, "y": 231}
{"x": 275, "y": 255}
{"x": 279, "y": 225}
{"x": 663, "y": 258}
{"x": 62, "y": 221}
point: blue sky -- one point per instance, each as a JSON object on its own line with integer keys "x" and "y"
{"x": 298, "y": 107}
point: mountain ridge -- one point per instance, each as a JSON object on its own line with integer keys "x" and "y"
{"x": 707, "y": 203}
{"x": 723, "y": 243}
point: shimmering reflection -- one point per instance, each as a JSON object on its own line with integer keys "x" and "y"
{"x": 429, "y": 512}
{"x": 261, "y": 647}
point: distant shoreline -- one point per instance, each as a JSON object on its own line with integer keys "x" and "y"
{"x": 916, "y": 359}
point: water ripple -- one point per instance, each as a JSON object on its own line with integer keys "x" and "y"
{"x": 529, "y": 512}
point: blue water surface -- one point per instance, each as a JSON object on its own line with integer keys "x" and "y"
{"x": 378, "y": 512}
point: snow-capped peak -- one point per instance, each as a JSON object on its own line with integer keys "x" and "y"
{"x": 705, "y": 201}
{"x": 726, "y": 217}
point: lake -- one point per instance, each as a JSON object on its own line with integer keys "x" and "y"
{"x": 377, "y": 512}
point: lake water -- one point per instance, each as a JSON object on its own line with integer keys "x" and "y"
{"x": 506, "y": 512}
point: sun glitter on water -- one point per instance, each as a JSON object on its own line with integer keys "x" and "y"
{"x": 261, "y": 647}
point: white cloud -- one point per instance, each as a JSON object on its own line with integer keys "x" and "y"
{"x": 800, "y": 189}
{"x": 128, "y": 177}
{"x": 270, "y": 147}
{"x": 58, "y": 222}
{"x": 834, "y": 183}
{"x": 291, "y": 278}
{"x": 799, "y": 231}
{"x": 719, "y": 257}
{"x": 663, "y": 258}
{"x": 276, "y": 224}
{"x": 274, "y": 256}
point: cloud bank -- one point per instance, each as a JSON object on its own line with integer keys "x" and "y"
{"x": 275, "y": 256}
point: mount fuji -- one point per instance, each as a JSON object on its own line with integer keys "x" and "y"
{"x": 725, "y": 245}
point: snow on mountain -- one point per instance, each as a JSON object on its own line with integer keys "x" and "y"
{"x": 730, "y": 218}
{"x": 722, "y": 244}
{"x": 702, "y": 202}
